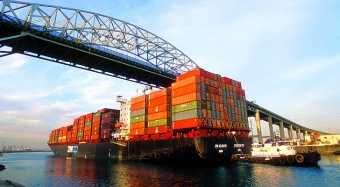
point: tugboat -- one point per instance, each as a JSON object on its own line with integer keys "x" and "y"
{"x": 282, "y": 153}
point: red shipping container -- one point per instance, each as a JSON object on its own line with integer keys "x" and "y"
{"x": 159, "y": 115}
{"x": 187, "y": 123}
{"x": 135, "y": 132}
{"x": 69, "y": 133}
{"x": 157, "y": 130}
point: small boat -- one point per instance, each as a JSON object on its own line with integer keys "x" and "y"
{"x": 282, "y": 153}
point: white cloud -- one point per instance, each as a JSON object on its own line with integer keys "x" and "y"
{"x": 10, "y": 64}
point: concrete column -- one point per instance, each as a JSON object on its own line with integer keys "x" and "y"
{"x": 305, "y": 135}
{"x": 271, "y": 131}
{"x": 298, "y": 134}
{"x": 290, "y": 131}
{"x": 282, "y": 131}
{"x": 258, "y": 126}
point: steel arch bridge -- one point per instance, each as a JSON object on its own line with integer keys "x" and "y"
{"x": 90, "y": 41}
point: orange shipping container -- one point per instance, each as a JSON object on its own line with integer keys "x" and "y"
{"x": 137, "y": 106}
{"x": 158, "y": 101}
{"x": 188, "y": 89}
{"x": 138, "y": 125}
{"x": 159, "y": 108}
{"x": 197, "y": 72}
{"x": 139, "y": 99}
{"x": 159, "y": 115}
{"x": 159, "y": 93}
{"x": 185, "y": 98}
{"x": 188, "y": 81}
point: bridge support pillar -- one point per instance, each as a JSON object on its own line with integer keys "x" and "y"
{"x": 282, "y": 131}
{"x": 298, "y": 134}
{"x": 258, "y": 126}
{"x": 305, "y": 133}
{"x": 290, "y": 131}
{"x": 271, "y": 131}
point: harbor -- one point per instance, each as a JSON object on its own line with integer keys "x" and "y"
{"x": 169, "y": 93}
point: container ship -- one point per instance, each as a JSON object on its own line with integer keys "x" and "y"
{"x": 201, "y": 116}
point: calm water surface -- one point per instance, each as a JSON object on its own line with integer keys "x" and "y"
{"x": 42, "y": 169}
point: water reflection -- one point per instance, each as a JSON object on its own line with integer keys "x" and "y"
{"x": 71, "y": 172}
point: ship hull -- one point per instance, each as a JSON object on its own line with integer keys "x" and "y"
{"x": 300, "y": 159}
{"x": 91, "y": 151}
{"x": 209, "y": 149}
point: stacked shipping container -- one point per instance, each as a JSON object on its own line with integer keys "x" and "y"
{"x": 138, "y": 115}
{"x": 80, "y": 127}
{"x": 90, "y": 128}
{"x": 198, "y": 99}
{"x": 204, "y": 99}
{"x": 108, "y": 120}
{"x": 159, "y": 111}
{"x": 95, "y": 134}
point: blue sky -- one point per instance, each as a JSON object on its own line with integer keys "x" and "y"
{"x": 286, "y": 53}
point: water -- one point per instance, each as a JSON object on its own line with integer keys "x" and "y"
{"x": 42, "y": 169}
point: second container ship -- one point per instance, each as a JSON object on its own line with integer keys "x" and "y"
{"x": 202, "y": 116}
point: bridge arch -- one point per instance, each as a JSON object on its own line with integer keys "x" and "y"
{"x": 97, "y": 31}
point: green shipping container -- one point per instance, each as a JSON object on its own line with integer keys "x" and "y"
{"x": 138, "y": 112}
{"x": 88, "y": 123}
{"x": 186, "y": 106}
{"x": 189, "y": 114}
{"x": 137, "y": 119}
{"x": 80, "y": 134}
{"x": 157, "y": 122}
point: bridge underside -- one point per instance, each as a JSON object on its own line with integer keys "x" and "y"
{"x": 52, "y": 48}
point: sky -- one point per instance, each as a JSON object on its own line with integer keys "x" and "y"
{"x": 286, "y": 54}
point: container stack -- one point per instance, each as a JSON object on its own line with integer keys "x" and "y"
{"x": 234, "y": 99}
{"x": 200, "y": 101}
{"x": 74, "y": 135}
{"x": 196, "y": 100}
{"x": 108, "y": 119}
{"x": 62, "y": 135}
{"x": 88, "y": 127}
{"x": 55, "y": 137}
{"x": 69, "y": 133}
{"x": 95, "y": 134}
{"x": 138, "y": 116}
{"x": 80, "y": 127}
{"x": 52, "y": 137}
{"x": 159, "y": 114}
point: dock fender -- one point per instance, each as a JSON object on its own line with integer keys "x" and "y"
{"x": 299, "y": 158}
